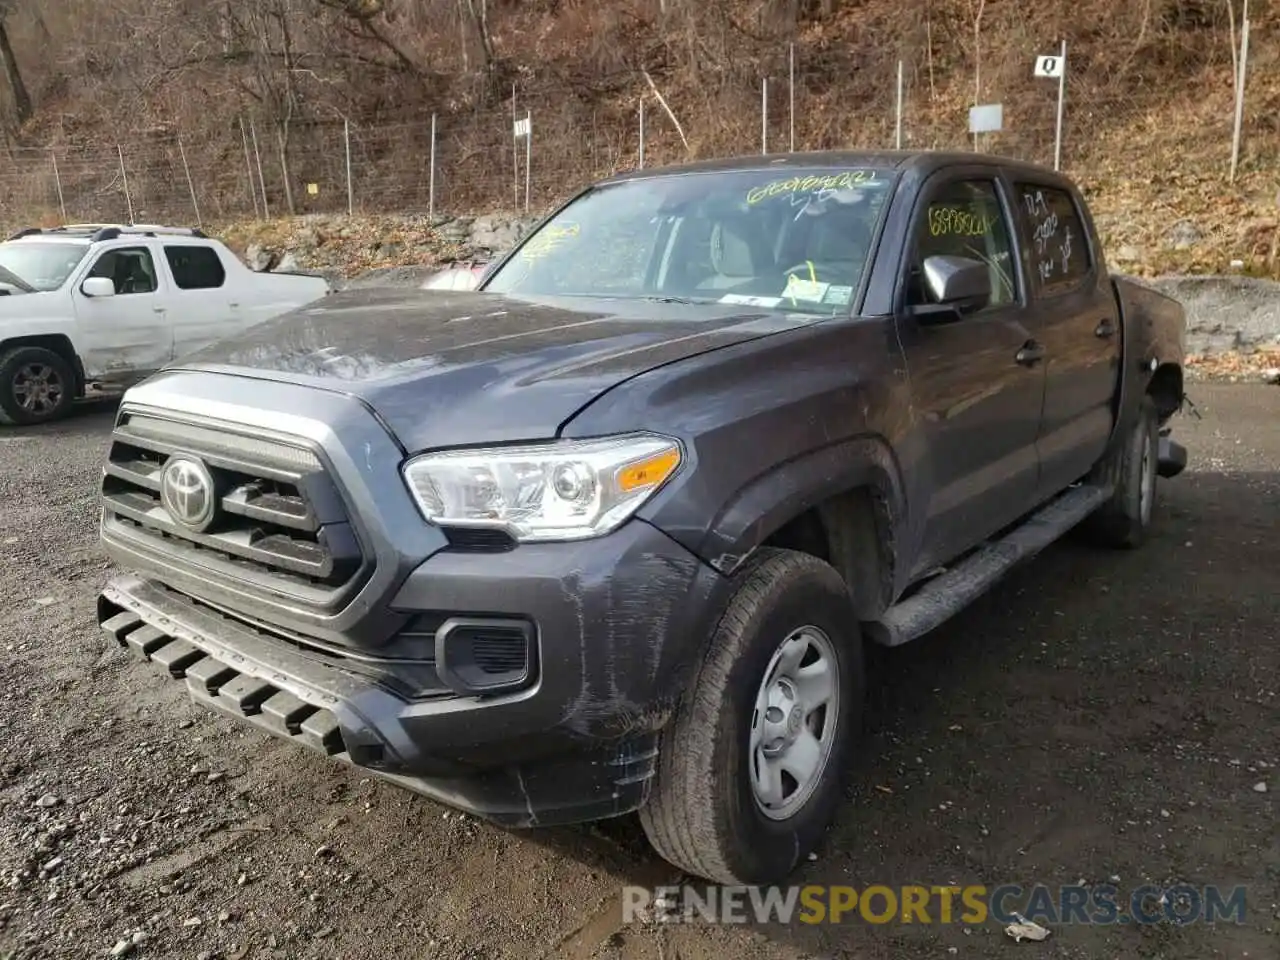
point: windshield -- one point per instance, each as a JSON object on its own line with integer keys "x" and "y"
{"x": 44, "y": 266}
{"x": 796, "y": 241}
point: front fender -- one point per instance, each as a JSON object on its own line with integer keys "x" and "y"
{"x": 787, "y": 490}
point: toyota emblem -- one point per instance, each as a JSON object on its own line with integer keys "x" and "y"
{"x": 187, "y": 492}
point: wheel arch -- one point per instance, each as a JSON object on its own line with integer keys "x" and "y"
{"x": 843, "y": 504}
{"x": 58, "y": 343}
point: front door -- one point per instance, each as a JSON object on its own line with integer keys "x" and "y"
{"x": 975, "y": 405}
{"x": 126, "y": 335}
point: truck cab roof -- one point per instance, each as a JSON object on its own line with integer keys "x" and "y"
{"x": 920, "y": 162}
{"x": 89, "y": 233}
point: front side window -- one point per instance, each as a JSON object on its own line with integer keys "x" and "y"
{"x": 794, "y": 240}
{"x": 964, "y": 219}
{"x": 42, "y": 266}
{"x": 131, "y": 269}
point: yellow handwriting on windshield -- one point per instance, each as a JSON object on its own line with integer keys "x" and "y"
{"x": 549, "y": 239}
{"x": 799, "y": 186}
{"x": 956, "y": 222}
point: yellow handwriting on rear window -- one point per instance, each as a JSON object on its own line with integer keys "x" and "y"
{"x": 797, "y": 186}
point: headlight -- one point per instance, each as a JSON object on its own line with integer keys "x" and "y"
{"x": 560, "y": 490}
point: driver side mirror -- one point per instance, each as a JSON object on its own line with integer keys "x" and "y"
{"x": 98, "y": 287}
{"x": 959, "y": 285}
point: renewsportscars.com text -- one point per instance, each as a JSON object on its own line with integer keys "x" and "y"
{"x": 973, "y": 904}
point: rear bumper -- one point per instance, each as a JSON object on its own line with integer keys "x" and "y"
{"x": 578, "y": 743}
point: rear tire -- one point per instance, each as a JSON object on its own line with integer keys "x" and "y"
{"x": 36, "y": 386}
{"x": 1132, "y": 470}
{"x": 731, "y": 801}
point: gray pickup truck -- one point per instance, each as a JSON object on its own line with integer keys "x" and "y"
{"x": 608, "y": 533}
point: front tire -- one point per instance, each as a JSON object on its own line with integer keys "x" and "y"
{"x": 36, "y": 386}
{"x": 751, "y": 767}
{"x": 1132, "y": 471}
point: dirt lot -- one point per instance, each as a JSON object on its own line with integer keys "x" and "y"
{"x": 1100, "y": 715}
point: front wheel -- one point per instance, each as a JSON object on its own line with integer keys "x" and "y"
{"x": 752, "y": 765}
{"x": 36, "y": 386}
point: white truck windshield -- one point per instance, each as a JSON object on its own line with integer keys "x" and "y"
{"x": 790, "y": 239}
{"x": 43, "y": 266}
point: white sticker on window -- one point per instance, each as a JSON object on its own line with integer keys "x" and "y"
{"x": 840, "y": 295}
{"x": 798, "y": 289}
{"x": 748, "y": 301}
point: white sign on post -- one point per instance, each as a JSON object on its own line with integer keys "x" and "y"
{"x": 1049, "y": 66}
{"x": 523, "y": 127}
{"x": 986, "y": 118}
{"x": 1055, "y": 67}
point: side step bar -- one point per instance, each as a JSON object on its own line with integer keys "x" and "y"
{"x": 947, "y": 594}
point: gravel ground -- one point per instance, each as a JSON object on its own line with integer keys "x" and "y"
{"x": 1098, "y": 715}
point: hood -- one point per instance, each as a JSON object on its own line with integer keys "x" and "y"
{"x": 446, "y": 368}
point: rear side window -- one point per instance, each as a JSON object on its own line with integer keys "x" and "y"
{"x": 1058, "y": 254}
{"x": 195, "y": 268}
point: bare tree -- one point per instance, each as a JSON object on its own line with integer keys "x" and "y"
{"x": 22, "y": 107}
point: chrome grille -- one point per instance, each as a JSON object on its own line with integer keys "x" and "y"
{"x": 280, "y": 526}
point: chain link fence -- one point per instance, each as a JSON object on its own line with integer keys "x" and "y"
{"x": 474, "y": 163}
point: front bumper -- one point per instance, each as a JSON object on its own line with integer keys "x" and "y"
{"x": 619, "y": 624}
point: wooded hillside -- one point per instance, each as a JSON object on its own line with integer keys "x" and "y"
{"x": 160, "y": 108}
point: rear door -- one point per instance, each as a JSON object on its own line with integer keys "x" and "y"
{"x": 1076, "y": 318}
{"x": 975, "y": 402}
{"x": 123, "y": 336}
{"x": 203, "y": 310}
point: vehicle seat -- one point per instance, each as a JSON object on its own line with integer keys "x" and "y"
{"x": 840, "y": 241}
{"x": 733, "y": 256}
{"x": 131, "y": 276}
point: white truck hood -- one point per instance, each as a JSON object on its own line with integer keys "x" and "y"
{"x": 33, "y": 306}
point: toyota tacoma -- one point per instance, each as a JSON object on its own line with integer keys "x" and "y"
{"x": 608, "y": 533}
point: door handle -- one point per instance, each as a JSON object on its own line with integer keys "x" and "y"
{"x": 1106, "y": 328}
{"x": 1030, "y": 354}
{"x": 157, "y": 309}
{"x": 234, "y": 304}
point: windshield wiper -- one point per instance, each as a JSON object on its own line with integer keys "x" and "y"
{"x": 686, "y": 300}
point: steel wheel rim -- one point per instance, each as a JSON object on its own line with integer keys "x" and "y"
{"x": 1147, "y": 485}
{"x": 37, "y": 388}
{"x": 794, "y": 722}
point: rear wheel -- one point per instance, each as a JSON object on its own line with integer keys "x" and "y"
{"x": 1132, "y": 471}
{"x": 36, "y": 385}
{"x": 752, "y": 765}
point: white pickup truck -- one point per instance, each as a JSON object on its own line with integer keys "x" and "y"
{"x": 107, "y": 305}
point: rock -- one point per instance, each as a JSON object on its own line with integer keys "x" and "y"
{"x": 1184, "y": 235}
{"x": 493, "y": 234}
{"x": 258, "y": 258}
{"x": 1127, "y": 254}
{"x": 308, "y": 239}
{"x": 288, "y": 264}
{"x": 191, "y": 922}
{"x": 122, "y": 948}
{"x": 1260, "y": 787}
{"x": 1271, "y": 375}
{"x": 48, "y": 800}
